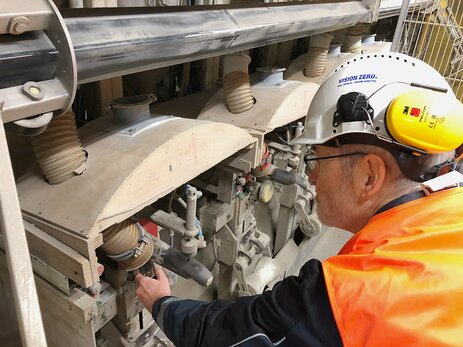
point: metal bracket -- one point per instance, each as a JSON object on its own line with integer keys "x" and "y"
{"x": 37, "y": 97}
{"x": 309, "y": 225}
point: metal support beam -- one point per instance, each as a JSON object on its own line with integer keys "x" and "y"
{"x": 19, "y": 262}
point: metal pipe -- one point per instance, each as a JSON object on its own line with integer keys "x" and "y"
{"x": 113, "y": 42}
{"x": 191, "y": 200}
{"x": 400, "y": 25}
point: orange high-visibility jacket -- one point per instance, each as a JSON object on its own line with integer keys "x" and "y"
{"x": 399, "y": 281}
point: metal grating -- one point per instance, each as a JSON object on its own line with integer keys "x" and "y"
{"x": 433, "y": 32}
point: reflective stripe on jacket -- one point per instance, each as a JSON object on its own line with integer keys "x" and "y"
{"x": 399, "y": 280}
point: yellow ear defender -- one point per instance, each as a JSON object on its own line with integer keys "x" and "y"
{"x": 427, "y": 120}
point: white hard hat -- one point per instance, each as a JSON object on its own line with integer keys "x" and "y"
{"x": 388, "y": 100}
{"x": 379, "y": 78}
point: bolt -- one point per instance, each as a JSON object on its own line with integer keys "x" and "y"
{"x": 33, "y": 90}
{"x": 18, "y": 25}
{"x": 241, "y": 181}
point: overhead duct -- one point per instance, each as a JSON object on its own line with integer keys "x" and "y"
{"x": 148, "y": 38}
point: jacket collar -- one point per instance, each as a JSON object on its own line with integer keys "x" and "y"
{"x": 401, "y": 200}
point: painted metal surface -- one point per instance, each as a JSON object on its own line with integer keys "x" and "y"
{"x": 128, "y": 170}
{"x": 276, "y": 105}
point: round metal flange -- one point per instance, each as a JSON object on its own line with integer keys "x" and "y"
{"x": 30, "y": 126}
{"x": 66, "y": 71}
{"x": 133, "y": 101}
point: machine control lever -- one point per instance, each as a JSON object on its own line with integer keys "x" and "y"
{"x": 287, "y": 178}
{"x": 174, "y": 260}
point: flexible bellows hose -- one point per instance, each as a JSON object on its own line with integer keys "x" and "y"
{"x": 353, "y": 44}
{"x": 236, "y": 86}
{"x": 121, "y": 240}
{"x": 316, "y": 55}
{"x": 58, "y": 150}
{"x": 237, "y": 91}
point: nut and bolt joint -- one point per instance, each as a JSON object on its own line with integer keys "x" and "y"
{"x": 18, "y": 25}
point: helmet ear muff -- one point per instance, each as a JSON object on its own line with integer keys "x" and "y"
{"x": 352, "y": 107}
{"x": 426, "y": 120}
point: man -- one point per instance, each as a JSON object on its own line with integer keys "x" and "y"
{"x": 380, "y": 128}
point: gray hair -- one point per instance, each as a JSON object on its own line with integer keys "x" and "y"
{"x": 401, "y": 184}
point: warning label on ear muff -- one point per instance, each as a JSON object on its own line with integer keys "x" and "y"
{"x": 362, "y": 78}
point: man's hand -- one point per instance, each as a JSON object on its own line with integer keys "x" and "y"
{"x": 149, "y": 289}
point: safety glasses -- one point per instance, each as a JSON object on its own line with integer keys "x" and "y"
{"x": 311, "y": 159}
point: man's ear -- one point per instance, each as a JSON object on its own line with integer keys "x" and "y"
{"x": 369, "y": 176}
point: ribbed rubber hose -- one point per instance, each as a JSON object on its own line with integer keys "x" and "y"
{"x": 237, "y": 92}
{"x": 123, "y": 237}
{"x": 353, "y": 44}
{"x": 120, "y": 238}
{"x": 316, "y": 61}
{"x": 58, "y": 149}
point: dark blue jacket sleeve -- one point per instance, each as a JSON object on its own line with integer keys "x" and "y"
{"x": 296, "y": 312}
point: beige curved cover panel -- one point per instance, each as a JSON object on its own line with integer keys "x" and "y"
{"x": 276, "y": 106}
{"x": 129, "y": 168}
